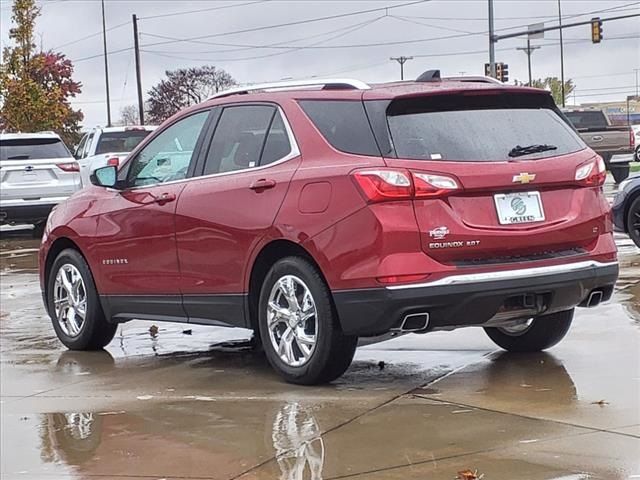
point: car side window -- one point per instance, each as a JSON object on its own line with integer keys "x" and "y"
{"x": 167, "y": 157}
{"x": 277, "y": 145}
{"x": 87, "y": 146}
{"x": 80, "y": 148}
{"x": 239, "y": 138}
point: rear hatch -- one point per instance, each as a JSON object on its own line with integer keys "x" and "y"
{"x": 499, "y": 177}
{"x": 34, "y": 169}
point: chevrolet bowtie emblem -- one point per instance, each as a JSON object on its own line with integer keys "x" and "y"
{"x": 524, "y": 178}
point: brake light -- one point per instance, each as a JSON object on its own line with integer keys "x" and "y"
{"x": 69, "y": 167}
{"x": 429, "y": 185}
{"x": 592, "y": 173}
{"x": 113, "y": 162}
{"x": 383, "y": 184}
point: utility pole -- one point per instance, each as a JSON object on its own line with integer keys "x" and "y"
{"x": 136, "y": 47}
{"x": 561, "y": 53}
{"x": 528, "y": 50}
{"x": 106, "y": 65}
{"x": 492, "y": 46}
{"x": 401, "y": 61}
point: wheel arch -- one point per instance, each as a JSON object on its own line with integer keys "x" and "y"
{"x": 268, "y": 255}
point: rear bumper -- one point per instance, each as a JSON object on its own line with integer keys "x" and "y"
{"x": 25, "y": 213}
{"x": 475, "y": 299}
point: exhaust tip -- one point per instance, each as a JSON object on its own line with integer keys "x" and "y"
{"x": 414, "y": 322}
{"x": 595, "y": 298}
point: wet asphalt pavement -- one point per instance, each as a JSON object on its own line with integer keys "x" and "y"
{"x": 205, "y": 406}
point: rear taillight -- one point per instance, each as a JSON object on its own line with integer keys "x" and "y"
{"x": 379, "y": 185}
{"x": 69, "y": 166}
{"x": 430, "y": 185}
{"x": 113, "y": 162}
{"x": 592, "y": 174}
{"x": 384, "y": 184}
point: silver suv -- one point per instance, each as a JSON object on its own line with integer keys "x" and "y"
{"x": 37, "y": 171}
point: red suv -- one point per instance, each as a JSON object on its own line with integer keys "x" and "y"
{"x": 318, "y": 212}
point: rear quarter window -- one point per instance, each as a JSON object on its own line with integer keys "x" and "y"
{"x": 344, "y": 124}
{"x": 32, "y": 149}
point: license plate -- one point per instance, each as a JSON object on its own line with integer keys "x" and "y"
{"x": 521, "y": 207}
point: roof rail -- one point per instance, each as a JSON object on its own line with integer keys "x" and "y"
{"x": 328, "y": 84}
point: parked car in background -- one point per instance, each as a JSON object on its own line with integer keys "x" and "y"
{"x": 615, "y": 144}
{"x": 626, "y": 209}
{"x": 37, "y": 171}
{"x": 108, "y": 146}
{"x": 318, "y": 212}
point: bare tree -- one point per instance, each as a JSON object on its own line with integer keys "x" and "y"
{"x": 185, "y": 87}
{"x": 129, "y": 115}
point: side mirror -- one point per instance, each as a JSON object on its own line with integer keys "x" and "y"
{"x": 105, "y": 176}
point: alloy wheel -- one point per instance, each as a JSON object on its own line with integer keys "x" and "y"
{"x": 292, "y": 321}
{"x": 70, "y": 300}
{"x": 516, "y": 328}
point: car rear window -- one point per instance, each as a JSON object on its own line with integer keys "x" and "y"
{"x": 32, "y": 149}
{"x": 343, "y": 124}
{"x": 120, "y": 142}
{"x": 478, "y": 128}
{"x": 587, "y": 119}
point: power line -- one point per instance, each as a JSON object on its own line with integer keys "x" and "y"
{"x": 187, "y": 12}
{"x": 288, "y": 24}
{"x": 89, "y": 36}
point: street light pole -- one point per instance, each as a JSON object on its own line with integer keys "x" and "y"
{"x": 492, "y": 46}
{"x": 561, "y": 53}
{"x": 106, "y": 65}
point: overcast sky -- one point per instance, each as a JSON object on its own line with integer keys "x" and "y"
{"x": 445, "y": 34}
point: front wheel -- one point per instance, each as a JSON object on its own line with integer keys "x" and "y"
{"x": 533, "y": 335}
{"x": 74, "y": 305}
{"x": 299, "y": 327}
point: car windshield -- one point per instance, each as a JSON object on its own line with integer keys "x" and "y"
{"x": 119, "y": 142}
{"x": 484, "y": 130}
{"x": 32, "y": 149}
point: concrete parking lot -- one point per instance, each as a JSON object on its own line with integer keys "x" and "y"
{"x": 197, "y": 403}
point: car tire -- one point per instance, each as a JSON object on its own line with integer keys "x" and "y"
{"x": 620, "y": 171}
{"x": 538, "y": 334}
{"x": 638, "y": 154}
{"x": 301, "y": 337}
{"x": 67, "y": 301}
{"x": 632, "y": 222}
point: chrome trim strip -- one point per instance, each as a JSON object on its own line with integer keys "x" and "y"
{"x": 506, "y": 274}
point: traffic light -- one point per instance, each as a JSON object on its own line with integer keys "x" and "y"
{"x": 487, "y": 69}
{"x": 596, "y": 30}
{"x": 504, "y": 75}
{"x": 502, "y": 72}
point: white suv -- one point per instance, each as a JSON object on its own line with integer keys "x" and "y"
{"x": 37, "y": 171}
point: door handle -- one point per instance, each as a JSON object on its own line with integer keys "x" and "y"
{"x": 164, "y": 198}
{"x": 597, "y": 138}
{"x": 262, "y": 184}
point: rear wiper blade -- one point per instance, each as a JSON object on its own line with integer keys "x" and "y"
{"x": 18, "y": 157}
{"x": 519, "y": 151}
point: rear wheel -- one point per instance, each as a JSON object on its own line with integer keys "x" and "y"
{"x": 74, "y": 305}
{"x": 533, "y": 335}
{"x": 299, "y": 328}
{"x": 633, "y": 221}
